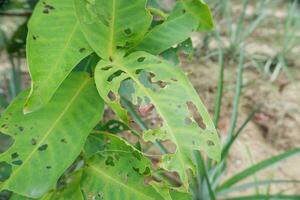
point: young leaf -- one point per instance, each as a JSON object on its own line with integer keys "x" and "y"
{"x": 48, "y": 141}
{"x": 117, "y": 172}
{"x": 177, "y": 28}
{"x": 171, "y": 93}
{"x": 112, "y": 25}
{"x": 52, "y": 53}
{"x": 200, "y": 10}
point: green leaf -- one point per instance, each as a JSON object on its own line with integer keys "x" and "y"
{"x": 257, "y": 167}
{"x": 49, "y": 140}
{"x": 171, "y": 93}
{"x": 200, "y": 10}
{"x": 112, "y": 25}
{"x": 177, "y": 28}
{"x": 55, "y": 45}
{"x": 70, "y": 191}
{"x": 117, "y": 172}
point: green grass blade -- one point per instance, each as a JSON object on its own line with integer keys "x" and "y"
{"x": 218, "y": 102}
{"x": 227, "y": 147}
{"x": 201, "y": 169}
{"x": 257, "y": 167}
{"x": 239, "y": 83}
{"x": 265, "y": 197}
{"x": 251, "y": 185}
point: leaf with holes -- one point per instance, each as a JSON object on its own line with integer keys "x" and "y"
{"x": 48, "y": 141}
{"x": 172, "y": 95}
{"x": 117, "y": 171}
{"x": 52, "y": 53}
{"x": 113, "y": 25}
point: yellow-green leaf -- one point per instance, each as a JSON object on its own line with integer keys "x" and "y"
{"x": 55, "y": 45}
{"x": 112, "y": 25}
{"x": 117, "y": 172}
{"x": 48, "y": 141}
{"x": 171, "y": 93}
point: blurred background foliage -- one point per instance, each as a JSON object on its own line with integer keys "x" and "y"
{"x": 263, "y": 35}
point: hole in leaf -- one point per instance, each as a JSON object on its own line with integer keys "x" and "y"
{"x": 110, "y": 161}
{"x": 43, "y": 147}
{"x": 46, "y": 11}
{"x": 34, "y": 37}
{"x": 160, "y": 83}
{"x": 81, "y": 50}
{"x": 5, "y": 171}
{"x": 128, "y": 31}
{"x": 5, "y": 142}
{"x": 195, "y": 114}
{"x": 141, "y": 59}
{"x": 106, "y": 68}
{"x": 21, "y": 128}
{"x": 136, "y": 155}
{"x": 63, "y": 141}
{"x": 138, "y": 71}
{"x": 145, "y": 110}
{"x": 210, "y": 143}
{"x": 188, "y": 120}
{"x": 17, "y": 162}
{"x": 48, "y": 167}
{"x": 147, "y": 171}
{"x": 115, "y": 75}
{"x": 111, "y": 96}
{"x": 33, "y": 141}
{"x": 14, "y": 155}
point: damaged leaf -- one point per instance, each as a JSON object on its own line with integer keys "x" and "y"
{"x": 113, "y": 25}
{"x": 170, "y": 91}
{"x": 51, "y": 57}
{"x": 117, "y": 171}
{"x": 51, "y": 138}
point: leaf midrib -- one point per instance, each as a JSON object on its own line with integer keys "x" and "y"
{"x": 94, "y": 168}
{"x": 64, "y": 111}
{"x": 112, "y": 30}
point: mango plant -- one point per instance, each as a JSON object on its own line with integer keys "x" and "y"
{"x": 83, "y": 55}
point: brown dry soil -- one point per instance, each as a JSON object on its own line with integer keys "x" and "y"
{"x": 273, "y": 130}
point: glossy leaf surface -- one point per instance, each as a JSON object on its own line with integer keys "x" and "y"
{"x": 112, "y": 25}
{"x": 55, "y": 45}
{"x": 48, "y": 141}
